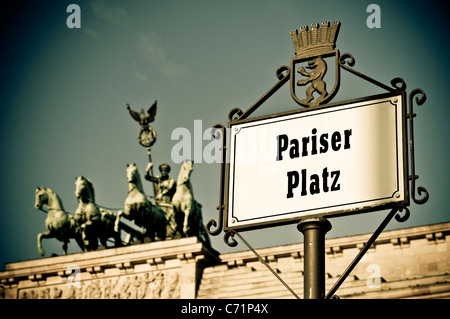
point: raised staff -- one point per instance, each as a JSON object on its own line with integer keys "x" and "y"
{"x": 147, "y": 135}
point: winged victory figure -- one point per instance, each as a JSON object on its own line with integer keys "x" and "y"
{"x": 143, "y": 118}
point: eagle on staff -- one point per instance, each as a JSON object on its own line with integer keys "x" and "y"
{"x": 142, "y": 118}
{"x": 147, "y": 135}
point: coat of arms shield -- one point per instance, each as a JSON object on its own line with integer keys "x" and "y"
{"x": 310, "y": 70}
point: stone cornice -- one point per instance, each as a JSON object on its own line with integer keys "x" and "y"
{"x": 185, "y": 250}
{"x": 336, "y": 246}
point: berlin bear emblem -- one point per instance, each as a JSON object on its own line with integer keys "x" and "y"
{"x": 315, "y": 77}
{"x": 312, "y": 47}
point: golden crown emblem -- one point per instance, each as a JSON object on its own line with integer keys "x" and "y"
{"x": 317, "y": 41}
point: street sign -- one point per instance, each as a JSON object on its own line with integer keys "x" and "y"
{"x": 322, "y": 161}
{"x": 336, "y": 159}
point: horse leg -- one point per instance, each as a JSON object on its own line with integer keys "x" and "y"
{"x": 148, "y": 232}
{"x": 47, "y": 234}
{"x": 158, "y": 222}
{"x": 76, "y": 232}
{"x": 162, "y": 225}
{"x": 109, "y": 231}
{"x": 90, "y": 236}
{"x": 116, "y": 224}
{"x": 180, "y": 221}
{"x": 84, "y": 238}
{"x": 204, "y": 233}
{"x": 117, "y": 240}
{"x": 104, "y": 240}
{"x": 80, "y": 242}
{"x": 186, "y": 221}
{"x": 64, "y": 246}
{"x": 67, "y": 232}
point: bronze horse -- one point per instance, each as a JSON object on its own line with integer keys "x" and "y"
{"x": 60, "y": 224}
{"x": 139, "y": 209}
{"x": 188, "y": 212}
{"x": 96, "y": 223}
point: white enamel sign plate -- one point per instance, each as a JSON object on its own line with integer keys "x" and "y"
{"x": 334, "y": 160}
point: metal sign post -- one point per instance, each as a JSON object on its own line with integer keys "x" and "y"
{"x": 322, "y": 161}
{"x": 314, "y": 230}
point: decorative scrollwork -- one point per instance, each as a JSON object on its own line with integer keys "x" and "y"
{"x": 403, "y": 218}
{"x": 422, "y": 98}
{"x": 344, "y": 57}
{"x": 229, "y": 238}
{"x": 212, "y": 223}
{"x": 410, "y": 116}
{"x": 280, "y": 70}
{"x": 425, "y": 197}
{"x": 215, "y": 128}
{"x": 235, "y": 114}
{"x": 398, "y": 84}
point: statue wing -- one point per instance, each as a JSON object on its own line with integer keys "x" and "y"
{"x": 134, "y": 114}
{"x": 152, "y": 112}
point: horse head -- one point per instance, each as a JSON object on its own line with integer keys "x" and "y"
{"x": 46, "y": 196}
{"x": 185, "y": 172}
{"x": 132, "y": 173}
{"x": 133, "y": 177}
{"x": 84, "y": 189}
{"x": 41, "y": 197}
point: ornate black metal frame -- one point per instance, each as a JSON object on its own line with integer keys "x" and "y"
{"x": 283, "y": 73}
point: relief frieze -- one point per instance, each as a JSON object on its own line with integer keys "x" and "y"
{"x": 149, "y": 285}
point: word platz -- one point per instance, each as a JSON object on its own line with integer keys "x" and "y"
{"x": 327, "y": 181}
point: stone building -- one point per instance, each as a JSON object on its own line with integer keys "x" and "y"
{"x": 404, "y": 263}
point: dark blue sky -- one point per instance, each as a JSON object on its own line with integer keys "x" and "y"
{"x": 64, "y": 92}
